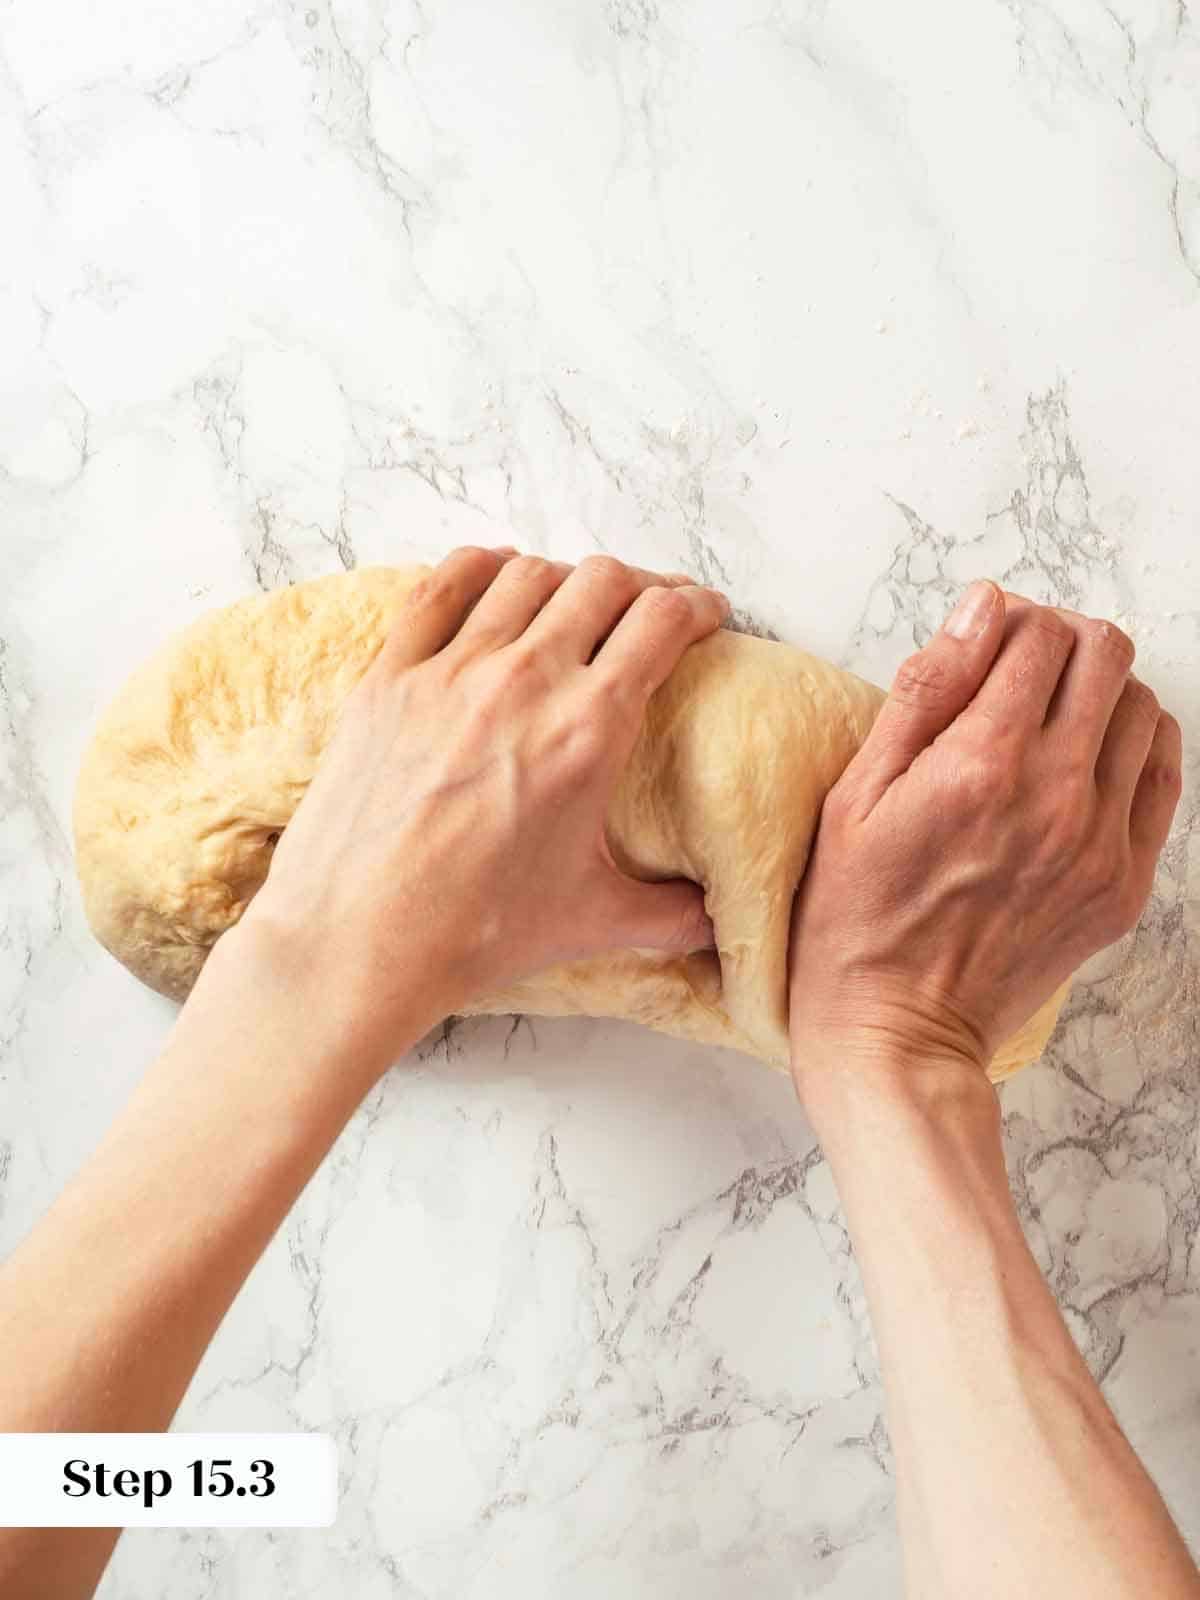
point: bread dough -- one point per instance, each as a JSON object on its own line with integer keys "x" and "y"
{"x": 205, "y": 753}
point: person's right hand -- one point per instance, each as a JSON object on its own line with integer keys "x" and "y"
{"x": 1000, "y": 824}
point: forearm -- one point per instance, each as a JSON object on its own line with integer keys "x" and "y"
{"x": 1012, "y": 1475}
{"x": 107, "y": 1307}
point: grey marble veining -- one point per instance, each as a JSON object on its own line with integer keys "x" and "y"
{"x": 838, "y": 305}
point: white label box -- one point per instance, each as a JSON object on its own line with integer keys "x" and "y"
{"x": 168, "y": 1480}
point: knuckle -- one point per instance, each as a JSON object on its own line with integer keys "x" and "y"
{"x": 996, "y": 722}
{"x": 665, "y": 607}
{"x": 922, "y": 677}
{"x": 523, "y": 662}
{"x": 471, "y": 553}
{"x": 471, "y": 561}
{"x": 1059, "y": 839}
{"x": 1068, "y": 766}
{"x": 529, "y": 571}
{"x": 1111, "y": 640}
{"x": 1163, "y": 777}
{"x": 606, "y": 572}
{"x": 581, "y": 745}
{"x": 1053, "y": 632}
{"x": 427, "y": 591}
{"x": 609, "y": 687}
{"x": 980, "y": 774}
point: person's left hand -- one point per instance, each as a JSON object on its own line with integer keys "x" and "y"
{"x": 453, "y": 837}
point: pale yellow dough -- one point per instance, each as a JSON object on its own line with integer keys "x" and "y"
{"x": 207, "y": 750}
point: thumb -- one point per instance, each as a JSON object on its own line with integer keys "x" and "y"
{"x": 932, "y": 687}
{"x": 668, "y": 916}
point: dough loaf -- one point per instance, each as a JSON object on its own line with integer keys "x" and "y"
{"x": 205, "y": 753}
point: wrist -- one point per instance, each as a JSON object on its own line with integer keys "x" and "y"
{"x": 845, "y": 1081}
{"x": 310, "y": 1010}
{"x": 915, "y": 1150}
{"x": 890, "y": 1031}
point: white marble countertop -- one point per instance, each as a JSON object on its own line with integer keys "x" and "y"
{"x": 839, "y": 304}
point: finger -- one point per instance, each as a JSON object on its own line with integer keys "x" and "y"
{"x": 1095, "y": 672}
{"x": 1016, "y": 603}
{"x": 667, "y": 916}
{"x": 930, "y": 689}
{"x": 1126, "y": 745}
{"x": 1156, "y": 795}
{"x": 434, "y": 609}
{"x": 591, "y": 602}
{"x": 510, "y": 604}
{"x": 1038, "y": 643}
{"x": 1092, "y": 686}
{"x": 645, "y": 646}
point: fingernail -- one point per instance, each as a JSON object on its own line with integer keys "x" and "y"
{"x": 970, "y": 616}
{"x": 504, "y": 550}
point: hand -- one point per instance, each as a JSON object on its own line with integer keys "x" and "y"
{"x": 999, "y": 825}
{"x": 453, "y": 837}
